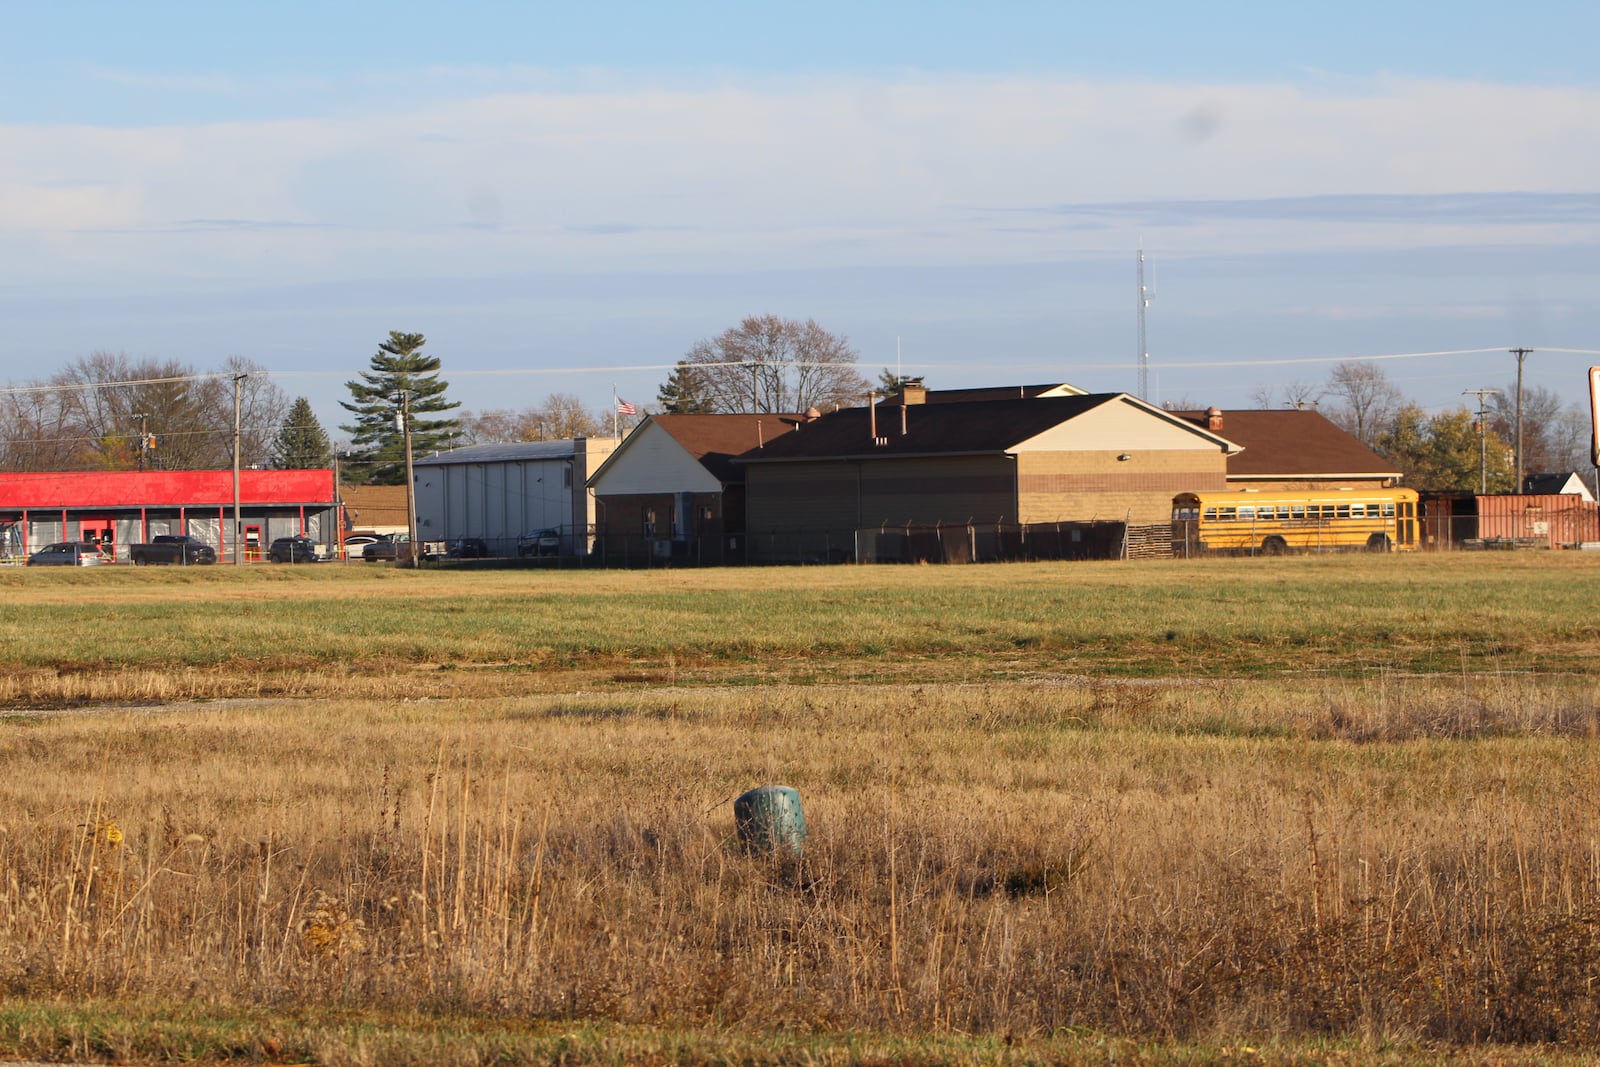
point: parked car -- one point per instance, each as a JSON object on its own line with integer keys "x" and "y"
{"x": 540, "y": 543}
{"x": 397, "y": 547}
{"x": 172, "y": 548}
{"x": 380, "y": 547}
{"x": 292, "y": 550}
{"x": 468, "y": 548}
{"x": 69, "y": 554}
{"x": 356, "y": 544}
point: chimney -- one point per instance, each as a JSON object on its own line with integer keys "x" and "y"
{"x": 912, "y": 391}
{"x": 1214, "y": 420}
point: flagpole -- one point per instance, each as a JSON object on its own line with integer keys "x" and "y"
{"x": 614, "y": 411}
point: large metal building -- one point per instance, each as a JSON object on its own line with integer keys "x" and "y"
{"x": 498, "y": 492}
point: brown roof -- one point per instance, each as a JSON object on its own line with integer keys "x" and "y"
{"x": 943, "y": 429}
{"x": 714, "y": 440}
{"x": 1292, "y": 443}
{"x": 967, "y": 396}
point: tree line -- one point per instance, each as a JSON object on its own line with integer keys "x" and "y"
{"x": 111, "y": 412}
{"x": 1458, "y": 449}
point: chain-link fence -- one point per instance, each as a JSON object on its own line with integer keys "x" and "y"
{"x": 967, "y": 542}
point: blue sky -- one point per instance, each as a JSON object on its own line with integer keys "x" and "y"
{"x": 563, "y": 198}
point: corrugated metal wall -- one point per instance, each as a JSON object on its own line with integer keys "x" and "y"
{"x": 1557, "y": 520}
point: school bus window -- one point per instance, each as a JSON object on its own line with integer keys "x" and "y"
{"x": 1211, "y": 513}
{"x": 1358, "y": 511}
{"x": 1247, "y": 513}
{"x": 1225, "y": 514}
{"x": 1388, "y": 511}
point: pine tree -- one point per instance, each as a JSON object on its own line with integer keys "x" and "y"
{"x": 684, "y": 392}
{"x": 301, "y": 444}
{"x": 398, "y": 367}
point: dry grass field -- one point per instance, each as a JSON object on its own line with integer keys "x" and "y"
{"x": 1277, "y": 811}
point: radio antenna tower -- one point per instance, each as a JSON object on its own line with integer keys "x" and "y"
{"x": 1144, "y": 351}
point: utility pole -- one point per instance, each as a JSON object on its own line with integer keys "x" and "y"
{"x": 1521, "y": 354}
{"x": 238, "y": 527}
{"x": 336, "y": 539}
{"x": 1483, "y": 436}
{"x": 144, "y": 436}
{"x": 1144, "y": 349}
{"x": 403, "y": 417}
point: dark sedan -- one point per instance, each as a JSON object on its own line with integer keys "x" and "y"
{"x": 292, "y": 550}
{"x": 469, "y": 548}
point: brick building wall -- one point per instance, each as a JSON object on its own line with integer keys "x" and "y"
{"x": 1079, "y": 486}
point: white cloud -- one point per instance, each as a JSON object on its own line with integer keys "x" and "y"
{"x": 805, "y": 172}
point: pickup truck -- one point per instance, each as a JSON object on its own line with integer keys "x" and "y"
{"x": 172, "y": 548}
{"x": 397, "y": 547}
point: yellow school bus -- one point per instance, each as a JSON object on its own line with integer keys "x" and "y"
{"x": 1274, "y": 522}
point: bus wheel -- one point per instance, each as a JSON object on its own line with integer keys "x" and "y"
{"x": 1378, "y": 543}
{"x": 1274, "y": 546}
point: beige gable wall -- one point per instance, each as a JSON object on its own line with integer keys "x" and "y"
{"x": 652, "y": 461}
{"x": 1118, "y": 426}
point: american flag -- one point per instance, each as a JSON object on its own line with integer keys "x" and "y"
{"x": 625, "y": 408}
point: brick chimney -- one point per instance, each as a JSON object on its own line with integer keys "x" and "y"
{"x": 912, "y": 391}
{"x": 1214, "y": 420}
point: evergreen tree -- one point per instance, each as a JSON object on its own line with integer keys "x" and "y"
{"x": 301, "y": 443}
{"x": 685, "y": 392}
{"x": 398, "y": 367}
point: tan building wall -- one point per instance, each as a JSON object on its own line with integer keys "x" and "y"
{"x": 1081, "y": 486}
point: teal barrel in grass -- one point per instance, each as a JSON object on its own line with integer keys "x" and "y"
{"x": 770, "y": 819}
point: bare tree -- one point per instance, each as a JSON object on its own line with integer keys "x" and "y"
{"x": 1541, "y": 417}
{"x": 1293, "y": 394}
{"x": 768, "y": 364}
{"x": 496, "y": 427}
{"x": 1364, "y": 400}
{"x": 1572, "y": 441}
{"x": 111, "y": 412}
{"x": 262, "y": 409}
{"x": 40, "y": 436}
{"x": 560, "y": 417}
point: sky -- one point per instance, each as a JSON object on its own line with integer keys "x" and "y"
{"x": 565, "y": 198}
